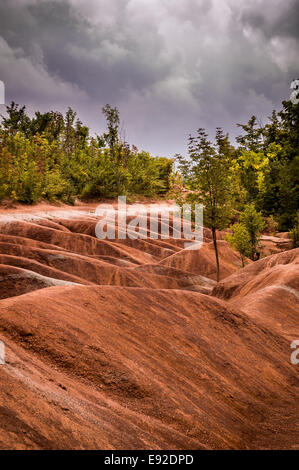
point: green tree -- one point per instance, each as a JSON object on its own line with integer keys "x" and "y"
{"x": 207, "y": 173}
{"x": 112, "y": 140}
{"x": 16, "y": 120}
{"x": 282, "y": 195}
{"x": 254, "y": 223}
{"x": 69, "y": 132}
{"x": 240, "y": 240}
{"x": 252, "y": 140}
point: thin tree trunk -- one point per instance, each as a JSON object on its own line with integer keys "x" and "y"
{"x": 118, "y": 182}
{"x": 216, "y": 252}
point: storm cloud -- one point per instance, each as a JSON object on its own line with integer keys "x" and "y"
{"x": 170, "y": 66}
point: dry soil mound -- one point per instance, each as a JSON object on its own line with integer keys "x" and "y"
{"x": 112, "y": 367}
{"x": 113, "y": 344}
{"x": 203, "y": 261}
{"x": 268, "y": 291}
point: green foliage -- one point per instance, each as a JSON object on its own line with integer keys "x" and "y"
{"x": 53, "y": 157}
{"x": 253, "y": 222}
{"x": 259, "y": 178}
{"x": 207, "y": 174}
{"x": 240, "y": 240}
{"x": 267, "y": 164}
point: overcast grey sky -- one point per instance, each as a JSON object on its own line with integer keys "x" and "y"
{"x": 170, "y": 66}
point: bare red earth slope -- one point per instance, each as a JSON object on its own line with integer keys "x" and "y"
{"x": 131, "y": 344}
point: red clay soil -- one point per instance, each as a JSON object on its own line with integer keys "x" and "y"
{"x": 267, "y": 291}
{"x": 271, "y": 245}
{"x": 124, "y": 344}
{"x": 203, "y": 261}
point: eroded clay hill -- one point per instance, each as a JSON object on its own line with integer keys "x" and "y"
{"x": 268, "y": 291}
{"x": 130, "y": 344}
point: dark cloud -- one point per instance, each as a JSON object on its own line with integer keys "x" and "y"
{"x": 170, "y": 66}
{"x": 285, "y": 23}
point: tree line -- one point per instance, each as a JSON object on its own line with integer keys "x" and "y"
{"x": 248, "y": 186}
{"x": 53, "y": 157}
{"x": 245, "y": 186}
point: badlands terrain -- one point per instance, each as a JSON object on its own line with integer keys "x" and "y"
{"x": 131, "y": 344}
